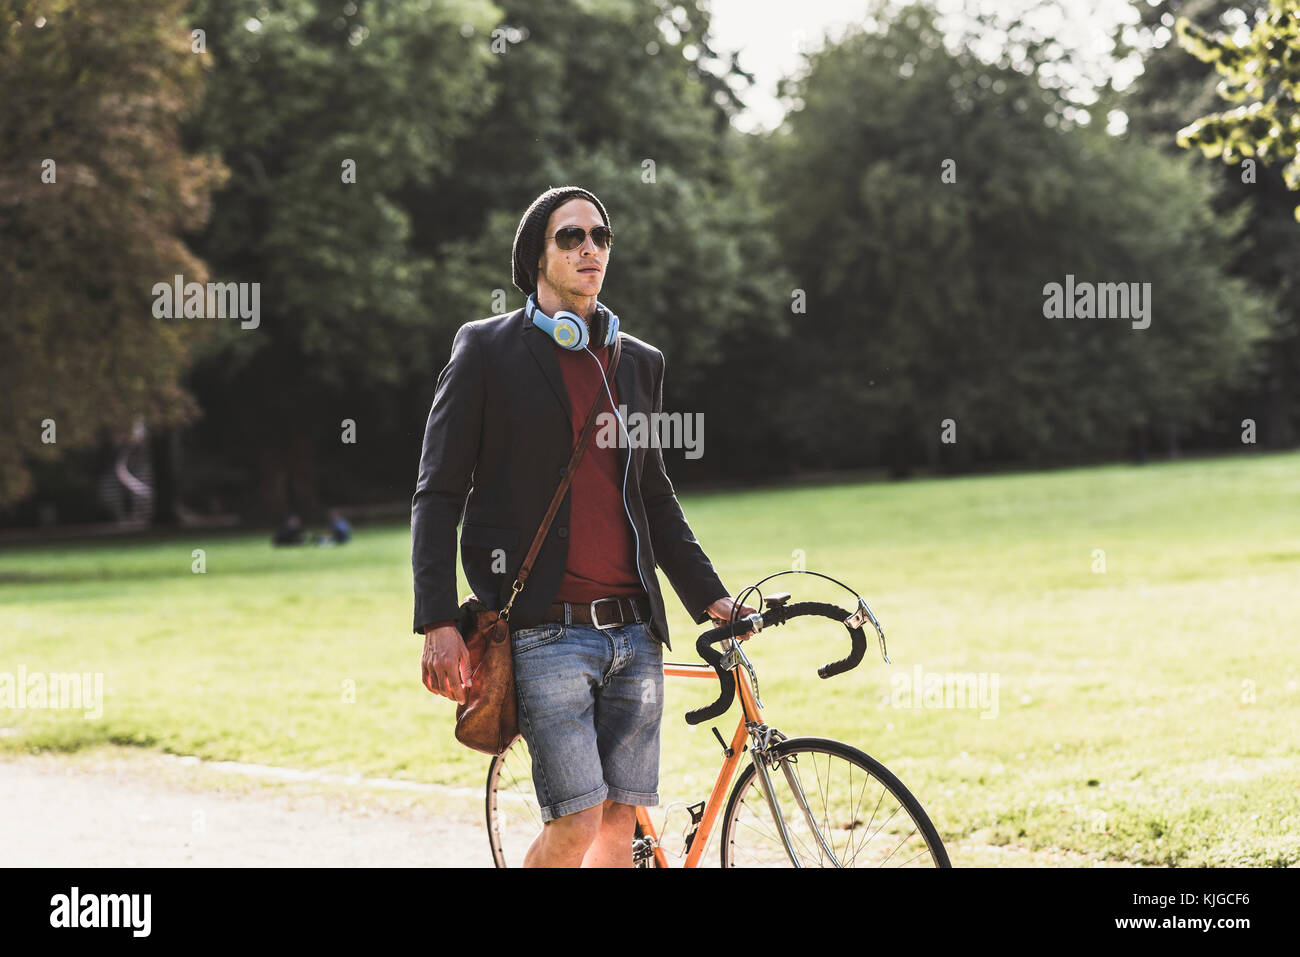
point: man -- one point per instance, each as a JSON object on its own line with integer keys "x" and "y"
{"x": 588, "y": 628}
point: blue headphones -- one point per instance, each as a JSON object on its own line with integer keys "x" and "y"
{"x": 567, "y": 328}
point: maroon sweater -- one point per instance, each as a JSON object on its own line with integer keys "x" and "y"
{"x": 602, "y": 546}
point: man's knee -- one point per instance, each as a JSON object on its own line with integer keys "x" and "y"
{"x": 616, "y": 813}
{"x": 578, "y": 827}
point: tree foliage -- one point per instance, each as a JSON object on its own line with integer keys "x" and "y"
{"x": 458, "y": 115}
{"x": 326, "y": 113}
{"x": 1260, "y": 71}
{"x": 831, "y": 293}
{"x": 96, "y": 190}
{"x": 925, "y": 297}
{"x": 1175, "y": 89}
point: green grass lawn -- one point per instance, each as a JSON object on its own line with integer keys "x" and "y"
{"x": 1147, "y": 713}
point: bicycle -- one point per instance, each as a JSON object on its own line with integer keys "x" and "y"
{"x": 770, "y": 819}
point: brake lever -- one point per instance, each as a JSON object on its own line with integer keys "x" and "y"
{"x": 861, "y": 617}
{"x": 735, "y": 655}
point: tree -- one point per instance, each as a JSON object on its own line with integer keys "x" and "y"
{"x": 625, "y": 98}
{"x": 1173, "y": 90}
{"x": 327, "y": 113}
{"x": 458, "y": 117}
{"x": 1261, "y": 71}
{"x": 926, "y": 297}
{"x": 96, "y": 191}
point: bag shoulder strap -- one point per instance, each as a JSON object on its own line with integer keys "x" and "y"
{"x": 526, "y": 568}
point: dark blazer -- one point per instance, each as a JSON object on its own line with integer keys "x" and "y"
{"x": 500, "y": 432}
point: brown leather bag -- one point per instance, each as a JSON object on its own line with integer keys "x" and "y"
{"x": 488, "y": 720}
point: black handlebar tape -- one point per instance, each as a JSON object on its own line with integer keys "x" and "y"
{"x": 714, "y": 657}
{"x": 774, "y": 616}
{"x": 836, "y": 613}
{"x": 852, "y": 660}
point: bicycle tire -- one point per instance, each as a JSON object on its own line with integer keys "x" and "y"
{"x": 513, "y": 816}
{"x": 750, "y": 837}
{"x": 507, "y": 783}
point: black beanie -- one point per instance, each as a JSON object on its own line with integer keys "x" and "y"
{"x": 532, "y": 231}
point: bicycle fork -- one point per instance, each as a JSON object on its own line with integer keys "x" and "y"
{"x": 765, "y": 739}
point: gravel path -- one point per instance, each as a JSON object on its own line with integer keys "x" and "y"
{"x": 121, "y": 807}
{"x": 157, "y": 811}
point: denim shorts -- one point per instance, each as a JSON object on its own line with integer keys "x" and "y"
{"x": 590, "y": 707}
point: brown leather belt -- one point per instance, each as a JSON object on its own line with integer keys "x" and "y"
{"x": 603, "y": 612}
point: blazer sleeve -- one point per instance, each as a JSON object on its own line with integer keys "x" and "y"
{"x": 447, "y": 460}
{"x": 675, "y": 548}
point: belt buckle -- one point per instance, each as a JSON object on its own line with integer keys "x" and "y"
{"x": 612, "y": 624}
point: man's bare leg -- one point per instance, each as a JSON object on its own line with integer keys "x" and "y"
{"x": 565, "y": 840}
{"x": 613, "y": 844}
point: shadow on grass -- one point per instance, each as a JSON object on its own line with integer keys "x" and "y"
{"x": 68, "y": 740}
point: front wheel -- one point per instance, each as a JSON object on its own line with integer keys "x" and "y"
{"x": 841, "y": 808}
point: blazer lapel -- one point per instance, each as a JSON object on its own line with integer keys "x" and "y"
{"x": 543, "y": 350}
{"x": 625, "y": 387}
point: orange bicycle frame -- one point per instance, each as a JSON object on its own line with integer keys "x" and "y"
{"x": 726, "y": 774}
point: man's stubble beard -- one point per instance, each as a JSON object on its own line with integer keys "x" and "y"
{"x": 568, "y": 300}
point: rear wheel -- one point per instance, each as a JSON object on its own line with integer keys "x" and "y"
{"x": 841, "y": 808}
{"x": 513, "y": 816}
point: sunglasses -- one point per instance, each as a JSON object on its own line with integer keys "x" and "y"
{"x": 571, "y": 237}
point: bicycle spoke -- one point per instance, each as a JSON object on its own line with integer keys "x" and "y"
{"x": 857, "y": 804}
{"x": 769, "y": 836}
{"x": 866, "y": 828}
{"x": 828, "y": 810}
{"x": 888, "y": 819}
{"x": 789, "y": 771}
{"x": 875, "y": 811}
{"x": 881, "y": 829}
{"x": 806, "y": 817}
{"x": 764, "y": 815}
{"x": 900, "y": 844}
{"x": 755, "y": 815}
{"x": 807, "y": 848}
{"x": 848, "y": 824}
{"x": 821, "y": 788}
{"x": 885, "y": 839}
{"x": 922, "y": 854}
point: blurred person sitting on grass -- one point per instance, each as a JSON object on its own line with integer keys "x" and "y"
{"x": 340, "y": 532}
{"x": 290, "y": 532}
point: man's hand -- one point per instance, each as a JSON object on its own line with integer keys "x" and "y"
{"x": 720, "y": 612}
{"x": 444, "y": 667}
